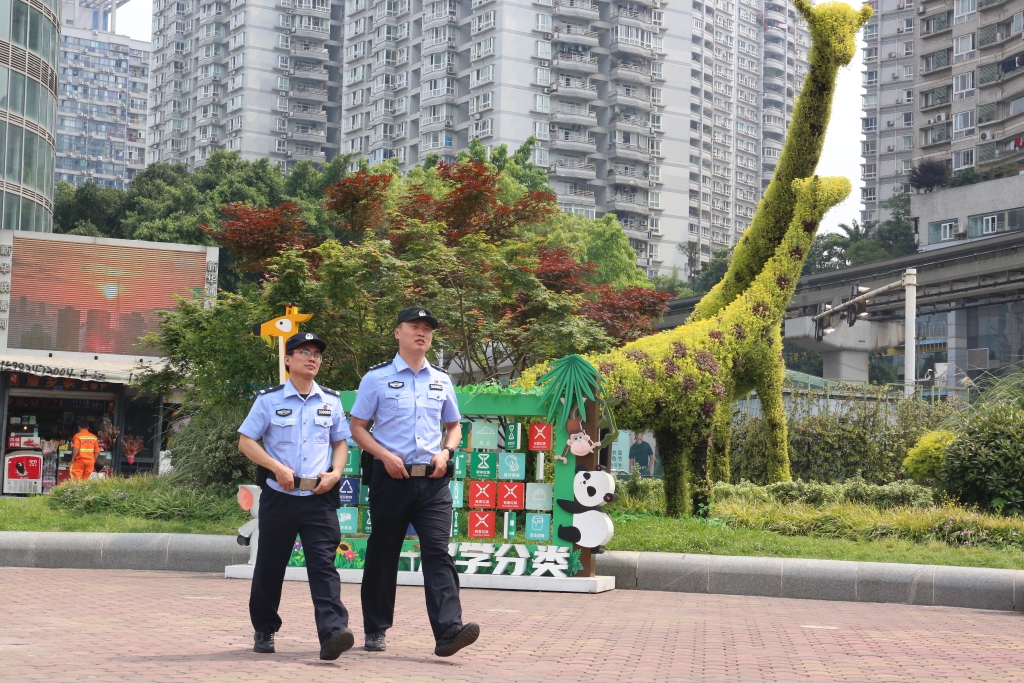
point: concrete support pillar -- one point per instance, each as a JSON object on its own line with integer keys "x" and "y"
{"x": 956, "y": 346}
{"x": 851, "y": 366}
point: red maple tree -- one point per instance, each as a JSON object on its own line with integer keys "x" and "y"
{"x": 256, "y": 234}
{"x": 358, "y": 199}
{"x": 626, "y": 313}
{"x": 471, "y": 204}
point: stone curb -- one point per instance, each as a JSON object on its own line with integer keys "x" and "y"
{"x": 79, "y": 550}
{"x": 936, "y": 585}
{"x": 911, "y": 584}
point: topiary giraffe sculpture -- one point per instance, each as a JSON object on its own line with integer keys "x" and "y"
{"x": 833, "y": 27}
{"x": 680, "y": 382}
{"x": 675, "y": 381}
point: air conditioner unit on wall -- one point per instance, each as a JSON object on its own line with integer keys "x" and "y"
{"x": 890, "y": 148}
{"x": 892, "y": 55}
{"x": 920, "y": 9}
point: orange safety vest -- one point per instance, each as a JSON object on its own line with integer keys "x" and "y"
{"x": 87, "y": 444}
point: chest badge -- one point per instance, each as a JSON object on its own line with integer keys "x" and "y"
{"x": 324, "y": 412}
{"x": 396, "y": 384}
{"x": 436, "y": 387}
{"x": 284, "y": 412}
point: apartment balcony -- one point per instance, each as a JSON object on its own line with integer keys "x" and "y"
{"x": 440, "y": 18}
{"x": 582, "y": 9}
{"x": 212, "y": 59}
{"x": 306, "y": 155}
{"x": 628, "y": 17}
{"x": 632, "y": 73}
{"x": 573, "y": 143}
{"x": 627, "y": 98}
{"x": 630, "y": 124}
{"x": 207, "y": 140}
{"x": 207, "y": 99}
{"x": 580, "y": 91}
{"x": 643, "y": 50}
{"x": 317, "y": 136}
{"x": 439, "y": 96}
{"x": 311, "y": 53}
{"x": 632, "y": 178}
{"x": 432, "y": 123}
{"x": 575, "y": 170}
{"x": 577, "y": 37}
{"x": 630, "y": 152}
{"x": 575, "y": 196}
{"x": 202, "y": 120}
{"x": 309, "y": 94}
{"x": 209, "y": 18}
{"x": 318, "y": 32}
{"x": 574, "y": 115}
{"x": 309, "y": 73}
{"x": 204, "y": 39}
{"x": 627, "y": 202}
{"x": 307, "y": 114}
{"x": 574, "y": 61}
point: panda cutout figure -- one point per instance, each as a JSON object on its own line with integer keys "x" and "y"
{"x": 591, "y": 526}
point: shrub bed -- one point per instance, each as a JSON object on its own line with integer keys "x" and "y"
{"x": 148, "y": 497}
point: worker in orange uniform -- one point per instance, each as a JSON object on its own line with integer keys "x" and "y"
{"x": 83, "y": 454}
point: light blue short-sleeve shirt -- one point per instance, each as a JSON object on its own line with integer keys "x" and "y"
{"x": 297, "y": 432}
{"x": 407, "y": 408}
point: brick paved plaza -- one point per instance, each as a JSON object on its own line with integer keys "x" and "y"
{"x": 85, "y": 625}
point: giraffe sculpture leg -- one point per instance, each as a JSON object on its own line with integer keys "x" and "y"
{"x": 769, "y": 391}
{"x": 721, "y": 431}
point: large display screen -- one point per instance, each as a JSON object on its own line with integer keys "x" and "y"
{"x": 96, "y": 298}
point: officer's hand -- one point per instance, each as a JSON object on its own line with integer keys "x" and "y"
{"x": 440, "y": 463}
{"x": 327, "y": 482}
{"x": 396, "y": 467}
{"x": 286, "y": 478}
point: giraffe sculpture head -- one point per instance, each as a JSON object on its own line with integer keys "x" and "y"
{"x": 833, "y": 26}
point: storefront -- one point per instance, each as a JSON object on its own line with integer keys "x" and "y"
{"x": 73, "y": 311}
{"x": 41, "y": 414}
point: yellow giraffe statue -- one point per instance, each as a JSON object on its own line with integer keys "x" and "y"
{"x": 681, "y": 382}
{"x": 281, "y": 327}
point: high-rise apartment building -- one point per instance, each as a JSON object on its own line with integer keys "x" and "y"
{"x": 941, "y": 83}
{"x": 257, "y": 77}
{"x": 104, "y": 82}
{"x": 29, "y": 38}
{"x": 651, "y": 112}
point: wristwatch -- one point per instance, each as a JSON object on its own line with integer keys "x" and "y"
{"x": 451, "y": 451}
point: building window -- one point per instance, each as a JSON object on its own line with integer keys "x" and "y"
{"x": 963, "y": 159}
{"x": 963, "y": 86}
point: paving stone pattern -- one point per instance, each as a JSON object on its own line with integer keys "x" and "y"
{"x": 112, "y": 625}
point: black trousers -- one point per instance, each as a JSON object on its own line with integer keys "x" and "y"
{"x": 427, "y": 504}
{"x": 315, "y": 520}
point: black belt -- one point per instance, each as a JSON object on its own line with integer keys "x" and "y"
{"x": 420, "y": 470}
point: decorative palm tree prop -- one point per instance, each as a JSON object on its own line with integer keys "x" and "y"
{"x": 568, "y": 383}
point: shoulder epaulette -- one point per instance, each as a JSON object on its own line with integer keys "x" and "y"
{"x": 332, "y": 392}
{"x": 378, "y": 366}
{"x": 438, "y": 369}
{"x": 267, "y": 391}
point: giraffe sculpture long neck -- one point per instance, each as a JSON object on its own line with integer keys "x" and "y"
{"x": 804, "y": 141}
{"x": 766, "y": 299}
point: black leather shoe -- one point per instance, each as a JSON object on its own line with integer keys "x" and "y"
{"x": 375, "y": 642}
{"x": 456, "y": 638}
{"x": 339, "y": 640}
{"x": 264, "y": 642}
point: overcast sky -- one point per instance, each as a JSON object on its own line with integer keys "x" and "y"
{"x": 841, "y": 155}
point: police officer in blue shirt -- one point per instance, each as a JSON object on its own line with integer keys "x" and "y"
{"x": 408, "y": 398}
{"x": 304, "y": 434}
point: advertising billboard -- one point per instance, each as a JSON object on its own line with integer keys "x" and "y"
{"x": 95, "y": 298}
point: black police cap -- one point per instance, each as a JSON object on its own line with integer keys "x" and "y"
{"x": 300, "y": 338}
{"x": 416, "y": 313}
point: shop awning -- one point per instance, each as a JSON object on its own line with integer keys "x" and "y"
{"x": 116, "y": 371}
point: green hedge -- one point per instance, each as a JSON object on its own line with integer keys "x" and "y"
{"x": 149, "y": 497}
{"x": 892, "y": 495}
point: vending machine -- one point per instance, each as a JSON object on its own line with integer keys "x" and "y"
{"x": 24, "y": 470}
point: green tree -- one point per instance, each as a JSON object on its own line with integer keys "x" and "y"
{"x": 87, "y": 209}
{"x": 828, "y": 253}
{"x": 965, "y": 176}
{"x": 714, "y": 270}
{"x": 896, "y": 234}
{"x": 672, "y": 284}
{"x": 600, "y": 241}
